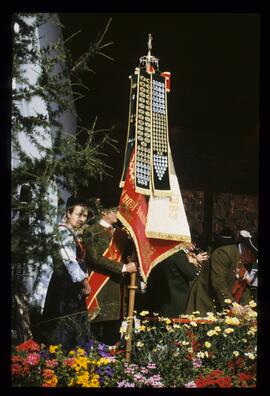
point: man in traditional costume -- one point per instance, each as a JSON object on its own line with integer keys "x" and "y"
{"x": 104, "y": 302}
{"x": 219, "y": 276}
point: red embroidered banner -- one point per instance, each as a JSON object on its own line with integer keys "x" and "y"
{"x": 132, "y": 212}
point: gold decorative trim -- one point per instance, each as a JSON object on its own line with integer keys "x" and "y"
{"x": 142, "y": 191}
{"x": 129, "y": 228}
{"x": 122, "y": 182}
{"x": 162, "y": 193}
{"x": 158, "y": 259}
{"x": 170, "y": 237}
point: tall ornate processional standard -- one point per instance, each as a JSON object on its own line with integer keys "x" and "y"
{"x": 151, "y": 205}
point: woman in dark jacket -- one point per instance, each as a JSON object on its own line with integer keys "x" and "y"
{"x": 65, "y": 318}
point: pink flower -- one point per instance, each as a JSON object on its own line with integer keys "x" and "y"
{"x": 197, "y": 362}
{"x": 32, "y": 359}
{"x": 51, "y": 363}
{"x": 191, "y": 384}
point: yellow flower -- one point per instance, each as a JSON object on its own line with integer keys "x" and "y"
{"x": 252, "y": 304}
{"x": 235, "y": 353}
{"x": 228, "y": 330}
{"x": 80, "y": 351}
{"x": 144, "y": 313}
{"x": 232, "y": 320}
{"x": 53, "y": 348}
{"x": 207, "y": 344}
{"x": 141, "y": 328}
{"x": 227, "y": 301}
{"x": 211, "y": 316}
{"x": 210, "y": 333}
{"x": 194, "y": 324}
{"x": 252, "y": 314}
{"x": 217, "y": 328}
{"x": 103, "y": 360}
{"x": 168, "y": 321}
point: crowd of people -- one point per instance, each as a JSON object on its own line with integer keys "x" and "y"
{"x": 189, "y": 280}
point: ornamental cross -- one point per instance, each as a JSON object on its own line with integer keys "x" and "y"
{"x": 149, "y": 44}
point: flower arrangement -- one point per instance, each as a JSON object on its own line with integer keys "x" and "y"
{"x": 189, "y": 351}
{"x": 35, "y": 365}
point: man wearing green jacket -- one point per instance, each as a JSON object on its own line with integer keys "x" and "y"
{"x": 218, "y": 276}
{"x": 106, "y": 322}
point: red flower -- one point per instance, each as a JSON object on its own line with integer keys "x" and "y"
{"x": 69, "y": 361}
{"x": 47, "y": 373}
{"x": 16, "y": 359}
{"x": 239, "y": 362}
{"x": 29, "y": 345}
{"x": 195, "y": 345}
{"x": 214, "y": 379}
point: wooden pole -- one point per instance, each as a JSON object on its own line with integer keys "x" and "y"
{"x": 132, "y": 287}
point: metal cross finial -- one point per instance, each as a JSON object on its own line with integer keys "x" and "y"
{"x": 149, "y": 43}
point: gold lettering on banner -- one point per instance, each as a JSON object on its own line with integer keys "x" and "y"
{"x": 129, "y": 202}
{"x": 141, "y": 215}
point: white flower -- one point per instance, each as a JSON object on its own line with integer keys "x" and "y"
{"x": 185, "y": 343}
{"x": 235, "y": 353}
{"x": 250, "y": 355}
{"x": 200, "y": 354}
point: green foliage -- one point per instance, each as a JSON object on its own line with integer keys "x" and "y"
{"x": 57, "y": 158}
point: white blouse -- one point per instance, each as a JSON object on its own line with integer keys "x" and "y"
{"x": 68, "y": 250}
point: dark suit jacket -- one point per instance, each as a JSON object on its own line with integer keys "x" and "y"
{"x": 168, "y": 285}
{"x": 215, "y": 282}
{"x": 96, "y": 240}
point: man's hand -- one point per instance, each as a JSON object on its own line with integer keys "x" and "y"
{"x": 130, "y": 267}
{"x": 201, "y": 257}
{"x": 86, "y": 288}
